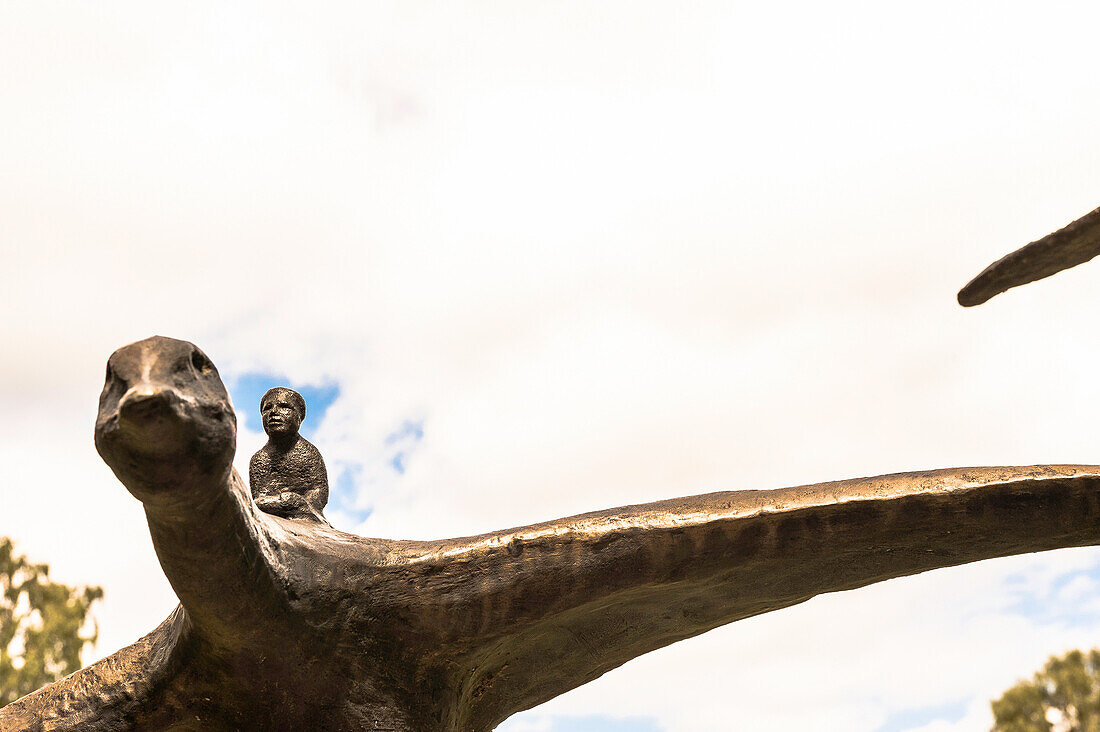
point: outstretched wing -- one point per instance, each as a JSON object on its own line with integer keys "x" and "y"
{"x": 530, "y": 613}
{"x": 1068, "y": 247}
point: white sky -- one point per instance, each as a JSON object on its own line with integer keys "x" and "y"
{"x": 608, "y": 253}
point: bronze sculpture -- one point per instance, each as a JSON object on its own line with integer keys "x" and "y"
{"x": 287, "y": 475}
{"x": 1073, "y": 244}
{"x": 287, "y": 623}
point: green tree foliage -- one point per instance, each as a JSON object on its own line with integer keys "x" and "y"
{"x": 1063, "y": 697}
{"x": 40, "y": 625}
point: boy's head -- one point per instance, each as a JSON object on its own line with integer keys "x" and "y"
{"x": 282, "y": 411}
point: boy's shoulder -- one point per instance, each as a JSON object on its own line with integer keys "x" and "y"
{"x": 261, "y": 456}
{"x": 304, "y": 446}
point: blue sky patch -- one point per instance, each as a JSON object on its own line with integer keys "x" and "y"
{"x": 409, "y": 430}
{"x": 247, "y": 389}
{"x": 1049, "y": 608}
{"x": 402, "y": 441}
{"x": 342, "y": 493}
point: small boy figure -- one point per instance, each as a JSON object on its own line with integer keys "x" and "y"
{"x": 287, "y": 475}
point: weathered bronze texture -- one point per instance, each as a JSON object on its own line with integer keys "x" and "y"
{"x": 287, "y": 475}
{"x": 289, "y": 624}
{"x": 1068, "y": 247}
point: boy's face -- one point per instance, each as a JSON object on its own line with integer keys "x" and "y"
{"x": 279, "y": 415}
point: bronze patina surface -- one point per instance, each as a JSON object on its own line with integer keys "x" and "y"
{"x": 287, "y": 475}
{"x": 1068, "y": 247}
{"x": 289, "y": 624}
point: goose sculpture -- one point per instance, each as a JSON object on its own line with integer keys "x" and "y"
{"x": 286, "y": 623}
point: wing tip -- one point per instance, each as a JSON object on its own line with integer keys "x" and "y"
{"x": 972, "y": 295}
{"x": 1073, "y": 244}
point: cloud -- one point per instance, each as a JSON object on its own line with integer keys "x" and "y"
{"x": 601, "y": 256}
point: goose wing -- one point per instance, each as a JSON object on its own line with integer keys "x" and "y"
{"x": 1068, "y": 247}
{"x": 526, "y": 614}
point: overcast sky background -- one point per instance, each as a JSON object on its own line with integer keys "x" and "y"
{"x": 534, "y": 259}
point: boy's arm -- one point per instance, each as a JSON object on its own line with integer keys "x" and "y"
{"x": 256, "y": 467}
{"x": 287, "y": 503}
{"x": 317, "y": 495}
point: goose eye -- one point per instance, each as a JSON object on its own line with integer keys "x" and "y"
{"x": 200, "y": 362}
